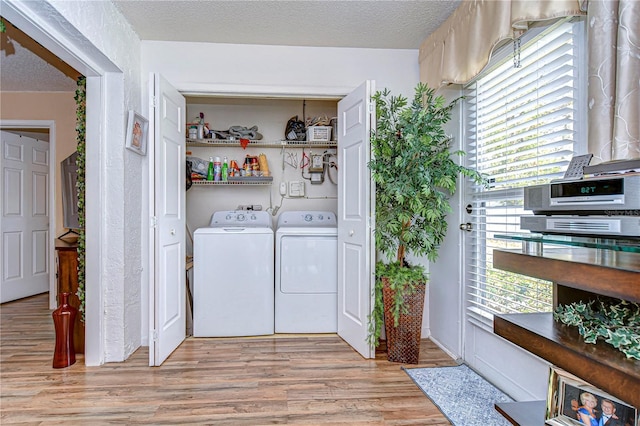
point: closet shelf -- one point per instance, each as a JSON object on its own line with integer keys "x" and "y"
{"x": 239, "y": 181}
{"x": 260, "y": 143}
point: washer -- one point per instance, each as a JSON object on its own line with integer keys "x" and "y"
{"x": 233, "y": 263}
{"x": 306, "y": 272}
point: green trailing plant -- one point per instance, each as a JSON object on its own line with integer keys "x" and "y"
{"x": 81, "y": 113}
{"x": 415, "y": 174}
{"x": 405, "y": 280}
{"x": 3, "y": 27}
{"x": 617, "y": 323}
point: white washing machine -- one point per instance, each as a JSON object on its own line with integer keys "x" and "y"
{"x": 233, "y": 267}
{"x": 306, "y": 272}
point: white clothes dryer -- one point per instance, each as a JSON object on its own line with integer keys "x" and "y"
{"x": 233, "y": 264}
{"x": 306, "y": 299}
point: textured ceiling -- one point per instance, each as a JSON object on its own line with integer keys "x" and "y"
{"x": 397, "y": 24}
{"x": 26, "y": 66}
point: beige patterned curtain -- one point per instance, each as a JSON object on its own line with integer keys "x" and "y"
{"x": 462, "y": 46}
{"x": 614, "y": 79}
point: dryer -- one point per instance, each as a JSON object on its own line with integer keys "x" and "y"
{"x": 233, "y": 263}
{"x": 306, "y": 276}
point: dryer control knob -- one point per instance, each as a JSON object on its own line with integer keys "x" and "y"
{"x": 253, "y": 217}
{"x": 240, "y": 218}
{"x": 308, "y": 217}
{"x": 320, "y": 217}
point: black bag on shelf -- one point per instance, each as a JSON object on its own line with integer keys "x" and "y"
{"x": 295, "y": 130}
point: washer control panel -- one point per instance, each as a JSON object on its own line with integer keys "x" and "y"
{"x": 307, "y": 218}
{"x": 241, "y": 218}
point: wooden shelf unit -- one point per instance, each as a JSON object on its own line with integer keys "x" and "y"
{"x": 605, "y": 272}
{"x": 601, "y": 364}
{"x": 577, "y": 274}
{"x": 528, "y": 413}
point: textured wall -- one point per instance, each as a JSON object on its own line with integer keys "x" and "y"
{"x": 57, "y": 106}
{"x": 234, "y": 68}
{"x": 106, "y": 29}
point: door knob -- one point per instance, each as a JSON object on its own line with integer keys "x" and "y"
{"x": 466, "y": 227}
{"x": 351, "y": 232}
{"x": 173, "y": 232}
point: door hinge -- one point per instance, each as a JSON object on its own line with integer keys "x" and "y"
{"x": 154, "y": 101}
{"x": 154, "y": 222}
{"x": 155, "y": 336}
{"x": 372, "y": 107}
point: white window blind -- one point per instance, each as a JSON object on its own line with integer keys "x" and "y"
{"x": 523, "y": 126}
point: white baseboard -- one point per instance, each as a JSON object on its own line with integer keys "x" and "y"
{"x": 453, "y": 356}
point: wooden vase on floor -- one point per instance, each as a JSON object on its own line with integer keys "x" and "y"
{"x": 68, "y": 283}
{"x": 403, "y": 341}
{"x": 64, "y": 317}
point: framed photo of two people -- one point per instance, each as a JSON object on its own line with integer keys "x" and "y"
{"x": 573, "y": 402}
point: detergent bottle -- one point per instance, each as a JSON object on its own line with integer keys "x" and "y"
{"x": 225, "y": 169}
{"x": 210, "y": 169}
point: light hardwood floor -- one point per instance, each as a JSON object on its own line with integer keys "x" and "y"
{"x": 237, "y": 381}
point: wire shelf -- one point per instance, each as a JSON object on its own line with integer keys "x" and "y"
{"x": 255, "y": 181}
{"x": 259, "y": 143}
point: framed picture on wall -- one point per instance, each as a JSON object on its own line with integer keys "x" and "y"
{"x": 137, "y": 133}
{"x": 574, "y": 402}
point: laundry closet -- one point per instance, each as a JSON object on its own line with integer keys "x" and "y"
{"x": 264, "y": 232}
{"x": 285, "y": 158}
{"x": 247, "y": 85}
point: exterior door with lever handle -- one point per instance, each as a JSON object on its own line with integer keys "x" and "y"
{"x": 466, "y": 227}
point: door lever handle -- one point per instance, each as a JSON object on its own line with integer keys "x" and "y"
{"x": 466, "y": 227}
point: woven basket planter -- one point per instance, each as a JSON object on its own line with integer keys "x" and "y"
{"x": 403, "y": 341}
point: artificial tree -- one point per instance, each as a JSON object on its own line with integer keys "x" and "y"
{"x": 415, "y": 174}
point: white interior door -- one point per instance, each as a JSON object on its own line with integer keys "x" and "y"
{"x": 356, "y": 246}
{"x": 25, "y": 217}
{"x": 168, "y": 158}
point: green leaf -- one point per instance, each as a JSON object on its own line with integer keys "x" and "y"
{"x": 615, "y": 322}
{"x": 80, "y": 98}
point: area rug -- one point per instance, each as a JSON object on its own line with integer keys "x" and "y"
{"x": 464, "y": 397}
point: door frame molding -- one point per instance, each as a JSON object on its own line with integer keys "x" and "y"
{"x": 47, "y": 26}
{"x": 51, "y": 255}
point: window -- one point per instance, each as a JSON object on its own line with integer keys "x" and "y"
{"x": 523, "y": 126}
